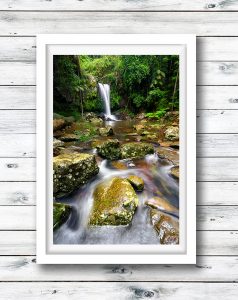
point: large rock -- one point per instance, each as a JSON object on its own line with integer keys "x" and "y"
{"x": 172, "y": 133}
{"x": 57, "y": 143}
{"x": 96, "y": 121}
{"x": 61, "y": 213}
{"x": 136, "y": 150}
{"x": 106, "y": 131}
{"x": 166, "y": 226}
{"x": 161, "y": 204}
{"x": 168, "y": 154}
{"x": 69, "y": 137}
{"x": 59, "y": 124}
{"x": 90, "y": 115}
{"x": 72, "y": 171}
{"x": 137, "y": 182}
{"x": 109, "y": 149}
{"x": 115, "y": 202}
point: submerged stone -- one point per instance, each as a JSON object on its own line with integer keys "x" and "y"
{"x": 72, "y": 171}
{"x": 136, "y": 182}
{"x": 61, "y": 213}
{"x": 161, "y": 204}
{"x": 115, "y": 202}
{"x": 166, "y": 226}
{"x": 136, "y": 150}
{"x": 109, "y": 149}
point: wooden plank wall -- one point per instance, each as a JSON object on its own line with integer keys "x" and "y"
{"x": 215, "y": 22}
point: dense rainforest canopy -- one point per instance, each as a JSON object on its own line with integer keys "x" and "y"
{"x": 139, "y": 83}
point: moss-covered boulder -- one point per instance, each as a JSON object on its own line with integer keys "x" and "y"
{"x": 115, "y": 202}
{"x": 96, "y": 121}
{"x": 136, "y": 150}
{"x": 166, "y": 226}
{"x": 59, "y": 124}
{"x": 72, "y": 171}
{"x": 172, "y": 133}
{"x": 161, "y": 204}
{"x": 106, "y": 131}
{"x": 137, "y": 182}
{"x": 174, "y": 172}
{"x": 61, "y": 213}
{"x": 69, "y": 137}
{"x": 109, "y": 149}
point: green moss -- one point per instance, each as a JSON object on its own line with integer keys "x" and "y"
{"x": 115, "y": 202}
{"x": 61, "y": 213}
{"x": 136, "y": 150}
{"x": 136, "y": 182}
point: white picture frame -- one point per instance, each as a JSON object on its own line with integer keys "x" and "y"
{"x": 185, "y": 46}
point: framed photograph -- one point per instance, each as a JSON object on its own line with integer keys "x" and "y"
{"x": 116, "y": 149}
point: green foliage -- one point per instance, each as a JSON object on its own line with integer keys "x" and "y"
{"x": 157, "y": 114}
{"x": 148, "y": 83}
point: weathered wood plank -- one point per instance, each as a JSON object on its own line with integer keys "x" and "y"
{"x": 208, "y": 169}
{"x": 207, "y": 269}
{"x": 208, "y": 97}
{"x": 208, "y": 243}
{"x": 208, "y": 121}
{"x": 199, "y": 23}
{"x": 208, "y": 73}
{"x": 17, "y": 193}
{"x": 208, "y": 145}
{"x": 217, "y": 97}
{"x": 120, "y": 5}
{"x": 18, "y": 97}
{"x": 17, "y": 145}
{"x": 17, "y": 121}
{"x": 208, "y": 193}
{"x": 118, "y": 290}
{"x": 208, "y": 218}
{"x": 17, "y": 169}
{"x": 18, "y": 48}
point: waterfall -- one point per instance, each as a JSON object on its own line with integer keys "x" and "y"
{"x": 104, "y": 91}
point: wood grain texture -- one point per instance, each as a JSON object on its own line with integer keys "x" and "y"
{"x": 208, "y": 145}
{"x": 199, "y": 23}
{"x": 208, "y": 218}
{"x": 22, "y": 48}
{"x": 118, "y": 290}
{"x": 208, "y": 121}
{"x": 208, "y": 169}
{"x": 208, "y": 73}
{"x": 208, "y": 97}
{"x": 208, "y": 243}
{"x": 207, "y": 269}
{"x": 208, "y": 193}
{"x": 120, "y": 5}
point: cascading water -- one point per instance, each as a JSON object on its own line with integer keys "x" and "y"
{"x": 104, "y": 91}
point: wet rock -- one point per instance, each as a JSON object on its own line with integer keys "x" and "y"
{"x": 174, "y": 172}
{"x": 136, "y": 150}
{"x": 119, "y": 165}
{"x": 115, "y": 202}
{"x": 168, "y": 154}
{"x": 166, "y": 226}
{"x": 57, "y": 143}
{"x": 139, "y": 127}
{"x": 72, "y": 171}
{"x": 141, "y": 116}
{"x": 136, "y": 182}
{"x": 172, "y": 144}
{"x": 61, "y": 213}
{"x": 69, "y": 137}
{"x": 90, "y": 115}
{"x": 59, "y": 124}
{"x": 106, "y": 131}
{"x": 96, "y": 121}
{"x": 109, "y": 149}
{"x": 161, "y": 204}
{"x": 172, "y": 133}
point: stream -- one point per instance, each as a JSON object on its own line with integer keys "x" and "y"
{"x": 155, "y": 173}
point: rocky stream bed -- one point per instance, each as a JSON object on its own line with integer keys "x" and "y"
{"x": 116, "y": 182}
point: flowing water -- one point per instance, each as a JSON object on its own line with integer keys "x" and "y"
{"x": 158, "y": 182}
{"x": 104, "y": 91}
